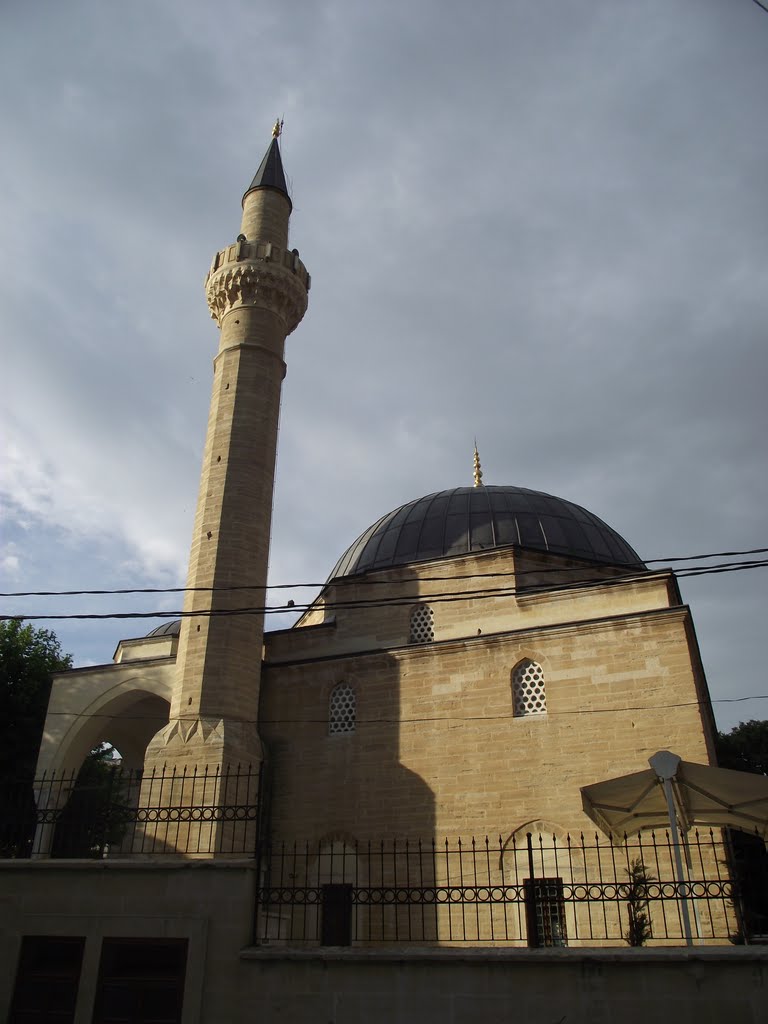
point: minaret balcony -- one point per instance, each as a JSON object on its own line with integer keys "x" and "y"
{"x": 259, "y": 274}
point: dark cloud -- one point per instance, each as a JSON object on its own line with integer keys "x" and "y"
{"x": 543, "y": 225}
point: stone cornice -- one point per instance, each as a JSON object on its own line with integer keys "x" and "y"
{"x": 403, "y": 652}
{"x": 257, "y": 284}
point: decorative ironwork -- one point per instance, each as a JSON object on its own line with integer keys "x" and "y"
{"x": 524, "y": 891}
{"x": 116, "y": 812}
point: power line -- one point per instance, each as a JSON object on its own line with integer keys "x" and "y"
{"x": 400, "y": 599}
{"x": 423, "y": 719}
{"x": 357, "y": 581}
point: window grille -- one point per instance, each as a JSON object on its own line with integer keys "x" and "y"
{"x": 141, "y": 980}
{"x": 422, "y": 624}
{"x": 342, "y": 710}
{"x": 545, "y": 912}
{"x": 528, "y": 696}
{"x": 47, "y": 979}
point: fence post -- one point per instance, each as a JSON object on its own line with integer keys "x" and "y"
{"x": 531, "y": 912}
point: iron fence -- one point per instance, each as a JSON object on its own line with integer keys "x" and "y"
{"x": 527, "y": 891}
{"x": 107, "y": 811}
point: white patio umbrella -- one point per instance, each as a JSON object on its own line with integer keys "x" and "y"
{"x": 678, "y": 794}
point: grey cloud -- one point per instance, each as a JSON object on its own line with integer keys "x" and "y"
{"x": 543, "y": 225}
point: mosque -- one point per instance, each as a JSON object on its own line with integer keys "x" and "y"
{"x": 475, "y": 657}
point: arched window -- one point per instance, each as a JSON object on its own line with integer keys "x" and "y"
{"x": 342, "y": 710}
{"x": 528, "y": 696}
{"x": 422, "y": 624}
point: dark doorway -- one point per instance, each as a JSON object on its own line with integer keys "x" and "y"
{"x": 141, "y": 981}
{"x": 47, "y": 979}
{"x": 336, "y": 925}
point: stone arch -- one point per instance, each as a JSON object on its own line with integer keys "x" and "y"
{"x": 127, "y": 714}
{"x": 537, "y": 826}
{"x": 328, "y": 870}
{"x": 552, "y": 871}
{"x": 336, "y": 859}
{"x": 554, "y": 847}
{"x": 82, "y": 713}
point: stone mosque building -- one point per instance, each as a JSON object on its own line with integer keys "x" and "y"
{"x": 475, "y": 657}
{"x": 441, "y": 682}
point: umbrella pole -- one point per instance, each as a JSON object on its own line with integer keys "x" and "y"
{"x": 678, "y": 859}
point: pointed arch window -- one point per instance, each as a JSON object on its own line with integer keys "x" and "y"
{"x": 422, "y": 624}
{"x": 528, "y": 693}
{"x": 342, "y": 710}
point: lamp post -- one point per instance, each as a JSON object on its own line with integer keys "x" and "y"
{"x": 665, "y": 764}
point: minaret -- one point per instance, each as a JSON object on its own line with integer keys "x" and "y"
{"x": 257, "y": 293}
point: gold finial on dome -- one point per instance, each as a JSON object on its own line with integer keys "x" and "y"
{"x": 277, "y": 128}
{"x": 478, "y": 470}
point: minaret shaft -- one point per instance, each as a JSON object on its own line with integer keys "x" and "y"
{"x": 257, "y": 292}
{"x": 266, "y": 216}
{"x": 220, "y": 654}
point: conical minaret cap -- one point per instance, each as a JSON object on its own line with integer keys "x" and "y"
{"x": 270, "y": 173}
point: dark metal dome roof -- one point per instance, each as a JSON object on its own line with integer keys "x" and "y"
{"x": 464, "y": 519}
{"x": 167, "y": 629}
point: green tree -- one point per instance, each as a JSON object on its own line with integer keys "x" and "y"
{"x": 638, "y": 911}
{"x": 745, "y": 748}
{"x": 96, "y": 815}
{"x": 28, "y": 658}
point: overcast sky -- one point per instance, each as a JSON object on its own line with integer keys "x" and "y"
{"x": 544, "y": 225}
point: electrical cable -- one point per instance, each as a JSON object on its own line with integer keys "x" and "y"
{"x": 424, "y": 719}
{"x": 399, "y": 600}
{"x": 357, "y": 581}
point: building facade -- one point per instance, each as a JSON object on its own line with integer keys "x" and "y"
{"x": 403, "y": 765}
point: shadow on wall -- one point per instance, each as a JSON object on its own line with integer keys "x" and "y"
{"x": 332, "y": 727}
{"x": 87, "y": 805}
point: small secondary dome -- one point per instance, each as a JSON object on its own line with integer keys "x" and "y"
{"x": 465, "y": 519}
{"x": 167, "y": 629}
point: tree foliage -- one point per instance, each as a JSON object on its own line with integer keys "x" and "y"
{"x": 745, "y": 747}
{"x": 638, "y": 910}
{"x": 28, "y": 658}
{"x": 95, "y": 814}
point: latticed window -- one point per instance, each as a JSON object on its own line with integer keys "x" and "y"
{"x": 528, "y": 696}
{"x": 545, "y": 912}
{"x": 342, "y": 710}
{"x": 422, "y": 624}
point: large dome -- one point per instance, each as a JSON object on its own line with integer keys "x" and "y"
{"x": 464, "y": 519}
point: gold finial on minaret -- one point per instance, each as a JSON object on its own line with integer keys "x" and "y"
{"x": 277, "y": 128}
{"x": 478, "y": 470}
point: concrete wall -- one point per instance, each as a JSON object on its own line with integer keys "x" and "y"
{"x": 227, "y": 981}
{"x": 722, "y": 986}
{"x": 209, "y": 903}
